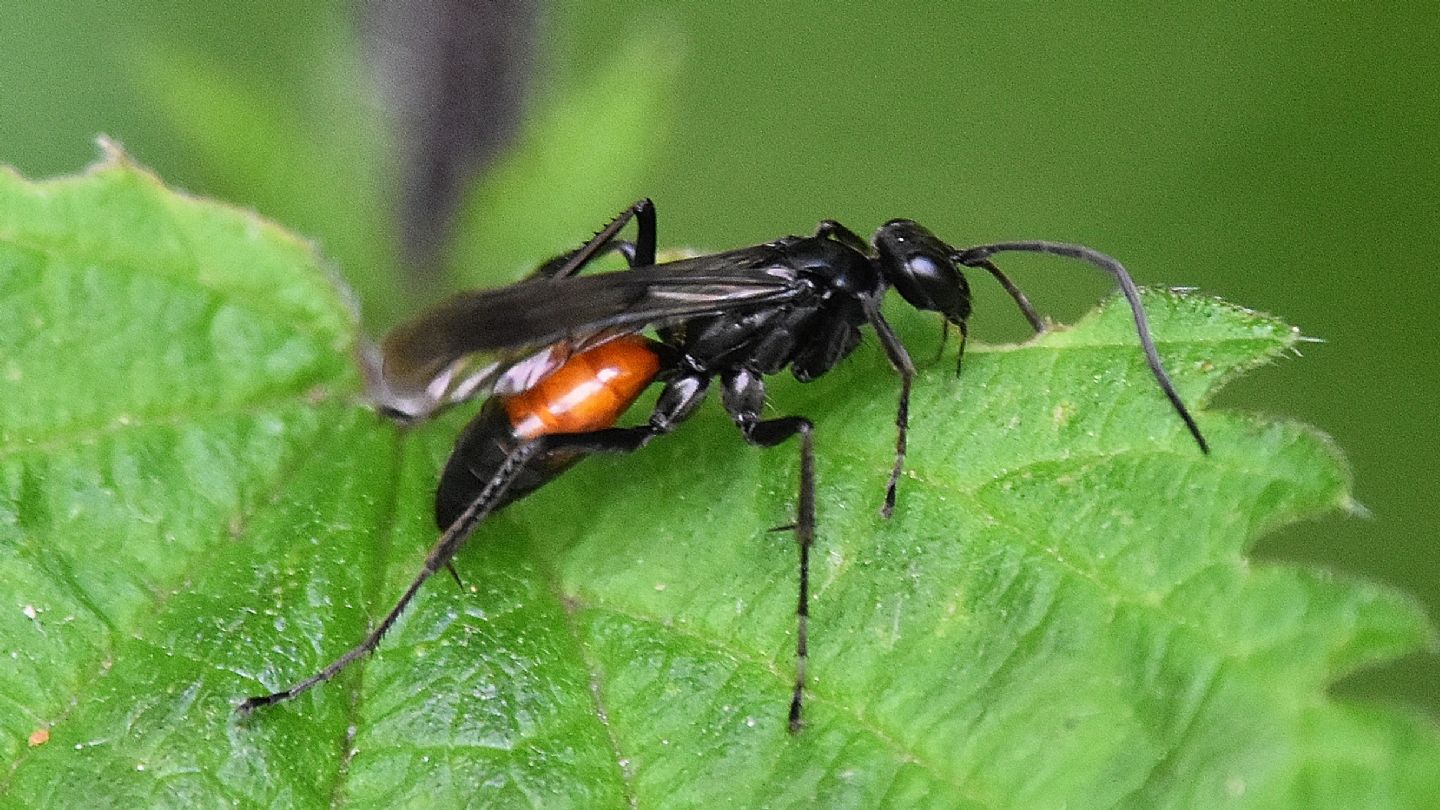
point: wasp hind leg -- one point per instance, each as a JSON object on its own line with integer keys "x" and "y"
{"x": 640, "y": 253}
{"x": 490, "y": 498}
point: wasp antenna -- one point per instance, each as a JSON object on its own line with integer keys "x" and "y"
{"x": 979, "y": 255}
{"x": 1036, "y": 322}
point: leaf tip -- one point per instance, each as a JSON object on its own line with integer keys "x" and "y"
{"x": 112, "y": 153}
{"x": 1354, "y": 508}
{"x": 115, "y": 158}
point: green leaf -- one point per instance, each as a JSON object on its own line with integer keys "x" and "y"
{"x": 195, "y": 506}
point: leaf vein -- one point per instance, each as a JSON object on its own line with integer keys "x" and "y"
{"x": 761, "y": 662}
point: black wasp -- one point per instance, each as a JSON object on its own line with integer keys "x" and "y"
{"x": 560, "y": 358}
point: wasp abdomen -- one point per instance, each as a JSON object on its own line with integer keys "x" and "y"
{"x": 589, "y": 392}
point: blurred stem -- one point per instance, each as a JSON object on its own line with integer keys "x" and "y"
{"x": 455, "y": 74}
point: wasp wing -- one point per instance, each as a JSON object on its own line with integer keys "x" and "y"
{"x": 504, "y": 339}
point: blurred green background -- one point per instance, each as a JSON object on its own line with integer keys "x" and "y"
{"x": 1283, "y": 156}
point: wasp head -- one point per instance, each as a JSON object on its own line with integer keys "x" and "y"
{"x": 922, "y": 269}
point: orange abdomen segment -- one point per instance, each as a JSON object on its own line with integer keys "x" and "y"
{"x": 588, "y": 393}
